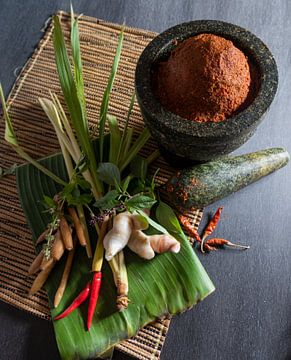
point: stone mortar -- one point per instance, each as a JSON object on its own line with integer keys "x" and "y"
{"x": 180, "y": 139}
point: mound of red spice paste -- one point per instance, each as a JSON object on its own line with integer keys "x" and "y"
{"x": 205, "y": 79}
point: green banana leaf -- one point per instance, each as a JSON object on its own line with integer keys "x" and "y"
{"x": 170, "y": 283}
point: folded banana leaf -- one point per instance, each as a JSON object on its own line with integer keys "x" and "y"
{"x": 168, "y": 284}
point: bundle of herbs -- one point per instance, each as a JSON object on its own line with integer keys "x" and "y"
{"x": 105, "y": 187}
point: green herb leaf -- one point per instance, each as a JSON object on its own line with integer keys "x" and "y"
{"x": 72, "y": 194}
{"x": 166, "y": 217}
{"x": 84, "y": 184}
{"x": 105, "y": 99}
{"x": 139, "y": 202}
{"x": 138, "y": 167}
{"x": 49, "y": 202}
{"x": 153, "y": 223}
{"x": 108, "y": 201}
{"x": 108, "y": 173}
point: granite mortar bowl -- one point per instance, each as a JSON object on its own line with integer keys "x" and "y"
{"x": 180, "y": 139}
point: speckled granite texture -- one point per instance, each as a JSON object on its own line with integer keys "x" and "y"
{"x": 205, "y": 141}
{"x": 203, "y": 184}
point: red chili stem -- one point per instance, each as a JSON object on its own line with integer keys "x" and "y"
{"x": 221, "y": 242}
{"x": 94, "y": 294}
{"x": 211, "y": 226}
{"x": 76, "y": 303}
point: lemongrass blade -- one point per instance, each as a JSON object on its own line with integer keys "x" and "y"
{"x": 10, "y": 136}
{"x": 132, "y": 100}
{"x": 115, "y": 139}
{"x": 77, "y": 61}
{"x": 68, "y": 86}
{"x": 74, "y": 106}
{"x": 126, "y": 145}
{"x": 106, "y": 95}
{"x": 66, "y": 79}
{"x": 136, "y": 147}
{"x": 38, "y": 165}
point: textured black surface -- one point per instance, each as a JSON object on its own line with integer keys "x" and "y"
{"x": 249, "y": 315}
{"x": 207, "y": 140}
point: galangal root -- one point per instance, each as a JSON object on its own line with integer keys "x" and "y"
{"x": 59, "y": 237}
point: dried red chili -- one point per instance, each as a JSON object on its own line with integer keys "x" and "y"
{"x": 221, "y": 242}
{"x": 76, "y": 302}
{"x": 211, "y": 226}
{"x": 192, "y": 231}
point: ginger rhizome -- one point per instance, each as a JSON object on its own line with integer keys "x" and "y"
{"x": 127, "y": 230}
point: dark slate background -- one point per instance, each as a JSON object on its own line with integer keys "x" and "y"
{"x": 249, "y": 315}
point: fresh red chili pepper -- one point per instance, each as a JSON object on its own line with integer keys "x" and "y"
{"x": 76, "y": 303}
{"x": 192, "y": 231}
{"x": 211, "y": 226}
{"x": 94, "y": 294}
{"x": 221, "y": 242}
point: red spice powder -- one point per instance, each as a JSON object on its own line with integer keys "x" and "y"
{"x": 205, "y": 79}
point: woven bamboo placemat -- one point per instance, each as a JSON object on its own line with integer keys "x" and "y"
{"x": 98, "y": 43}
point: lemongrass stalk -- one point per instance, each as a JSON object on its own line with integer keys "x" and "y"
{"x": 118, "y": 268}
{"x": 133, "y": 151}
{"x": 52, "y": 113}
{"x": 67, "y": 126}
{"x": 99, "y": 251}
{"x": 11, "y": 139}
